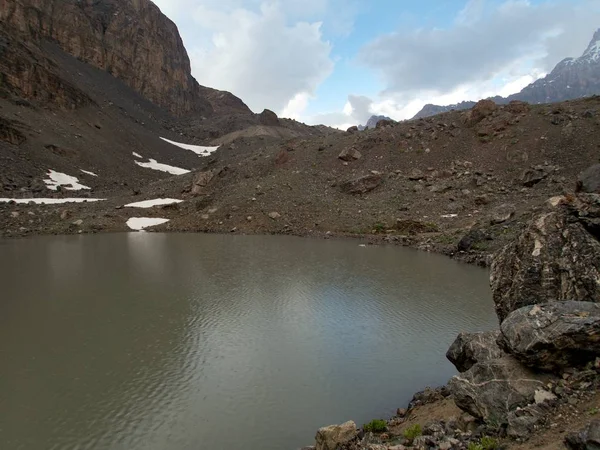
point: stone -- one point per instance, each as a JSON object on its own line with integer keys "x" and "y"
{"x": 501, "y": 214}
{"x": 555, "y": 258}
{"x": 65, "y": 214}
{"x": 480, "y": 111}
{"x": 349, "y": 154}
{"x": 335, "y": 436}
{"x": 518, "y": 107}
{"x": 78, "y": 222}
{"x": 274, "y": 215}
{"x": 542, "y": 396}
{"x": 201, "y": 181}
{"x": 553, "y": 336}
{"x": 523, "y": 421}
{"x": 469, "y": 349}
{"x": 362, "y": 185}
{"x": 14, "y": 214}
{"x": 352, "y": 129}
{"x": 531, "y": 177}
{"x": 384, "y": 123}
{"x": 268, "y": 118}
{"x": 586, "y": 439}
{"x": 416, "y": 175}
{"x": 589, "y": 180}
{"x": 471, "y": 239}
{"x": 490, "y": 390}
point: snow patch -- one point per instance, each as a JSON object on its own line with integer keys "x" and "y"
{"x": 155, "y": 202}
{"x": 154, "y": 165}
{"x": 87, "y": 172}
{"x": 137, "y": 155}
{"x": 50, "y": 201}
{"x": 63, "y": 180}
{"x": 197, "y": 149}
{"x": 139, "y": 223}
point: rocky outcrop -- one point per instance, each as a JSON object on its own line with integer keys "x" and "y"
{"x": 586, "y": 439}
{"x": 557, "y": 257}
{"x": 469, "y": 349}
{"x": 490, "y": 390}
{"x": 131, "y": 39}
{"x": 553, "y": 336}
{"x": 362, "y": 185}
{"x": 334, "y": 437}
{"x": 268, "y": 118}
{"x": 481, "y": 110}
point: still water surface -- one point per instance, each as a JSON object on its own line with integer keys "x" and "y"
{"x": 149, "y": 341}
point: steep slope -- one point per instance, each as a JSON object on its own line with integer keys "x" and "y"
{"x": 571, "y": 78}
{"x": 130, "y": 39}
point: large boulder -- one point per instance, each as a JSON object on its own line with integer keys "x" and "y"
{"x": 556, "y": 257}
{"x": 480, "y": 111}
{"x": 349, "y": 154}
{"x": 362, "y": 185}
{"x": 469, "y": 349}
{"x": 553, "y": 336}
{"x": 589, "y": 180}
{"x": 268, "y": 118}
{"x": 490, "y": 390}
{"x": 201, "y": 181}
{"x": 335, "y": 436}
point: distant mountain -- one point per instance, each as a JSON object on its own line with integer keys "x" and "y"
{"x": 571, "y": 78}
{"x": 372, "y": 122}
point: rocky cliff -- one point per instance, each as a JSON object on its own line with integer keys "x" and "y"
{"x": 130, "y": 39}
{"x": 571, "y": 78}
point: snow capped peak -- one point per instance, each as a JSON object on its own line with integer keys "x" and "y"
{"x": 593, "y": 50}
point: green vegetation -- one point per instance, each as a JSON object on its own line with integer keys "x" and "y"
{"x": 379, "y": 227}
{"x": 376, "y": 426}
{"x": 594, "y": 411}
{"x": 411, "y": 433}
{"x": 486, "y": 443}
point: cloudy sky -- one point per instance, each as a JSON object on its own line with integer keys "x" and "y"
{"x": 338, "y": 62}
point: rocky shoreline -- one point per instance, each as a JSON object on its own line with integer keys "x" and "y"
{"x": 535, "y": 381}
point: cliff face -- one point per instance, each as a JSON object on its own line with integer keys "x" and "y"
{"x": 130, "y": 39}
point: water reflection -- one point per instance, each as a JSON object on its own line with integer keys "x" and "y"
{"x": 152, "y": 341}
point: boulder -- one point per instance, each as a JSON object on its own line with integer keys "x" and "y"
{"x": 523, "y": 421}
{"x": 469, "y": 349}
{"x": 518, "y": 107}
{"x": 531, "y": 177}
{"x": 556, "y": 257}
{"x": 586, "y": 439}
{"x": 349, "y": 154}
{"x": 383, "y": 123}
{"x": 353, "y": 129}
{"x": 471, "y": 239}
{"x": 589, "y": 180}
{"x": 490, "y": 390}
{"x": 480, "y": 111}
{"x": 553, "y": 336}
{"x": 268, "y": 118}
{"x": 416, "y": 175}
{"x": 501, "y": 214}
{"x": 362, "y": 185}
{"x": 335, "y": 436}
{"x": 201, "y": 181}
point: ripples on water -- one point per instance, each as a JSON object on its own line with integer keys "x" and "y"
{"x": 176, "y": 342}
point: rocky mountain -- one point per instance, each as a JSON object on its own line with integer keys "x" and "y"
{"x": 372, "y": 122}
{"x": 130, "y": 39}
{"x": 571, "y": 78}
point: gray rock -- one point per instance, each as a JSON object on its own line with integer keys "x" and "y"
{"x": 350, "y": 154}
{"x": 201, "y": 181}
{"x": 490, "y": 390}
{"x": 471, "y": 348}
{"x": 555, "y": 257}
{"x": 473, "y": 237}
{"x": 416, "y": 175}
{"x": 362, "y": 185}
{"x": 531, "y": 177}
{"x": 589, "y": 180}
{"x": 502, "y": 213}
{"x": 274, "y": 215}
{"x": 553, "y": 336}
{"x": 334, "y": 436}
{"x": 352, "y": 129}
{"x": 523, "y": 421}
{"x": 586, "y": 439}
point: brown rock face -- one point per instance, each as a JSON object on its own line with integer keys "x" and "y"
{"x": 131, "y": 39}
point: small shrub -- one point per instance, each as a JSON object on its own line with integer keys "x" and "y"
{"x": 376, "y": 426}
{"x": 379, "y": 227}
{"x": 488, "y": 443}
{"x": 594, "y": 411}
{"x": 411, "y": 433}
{"x": 474, "y": 446}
